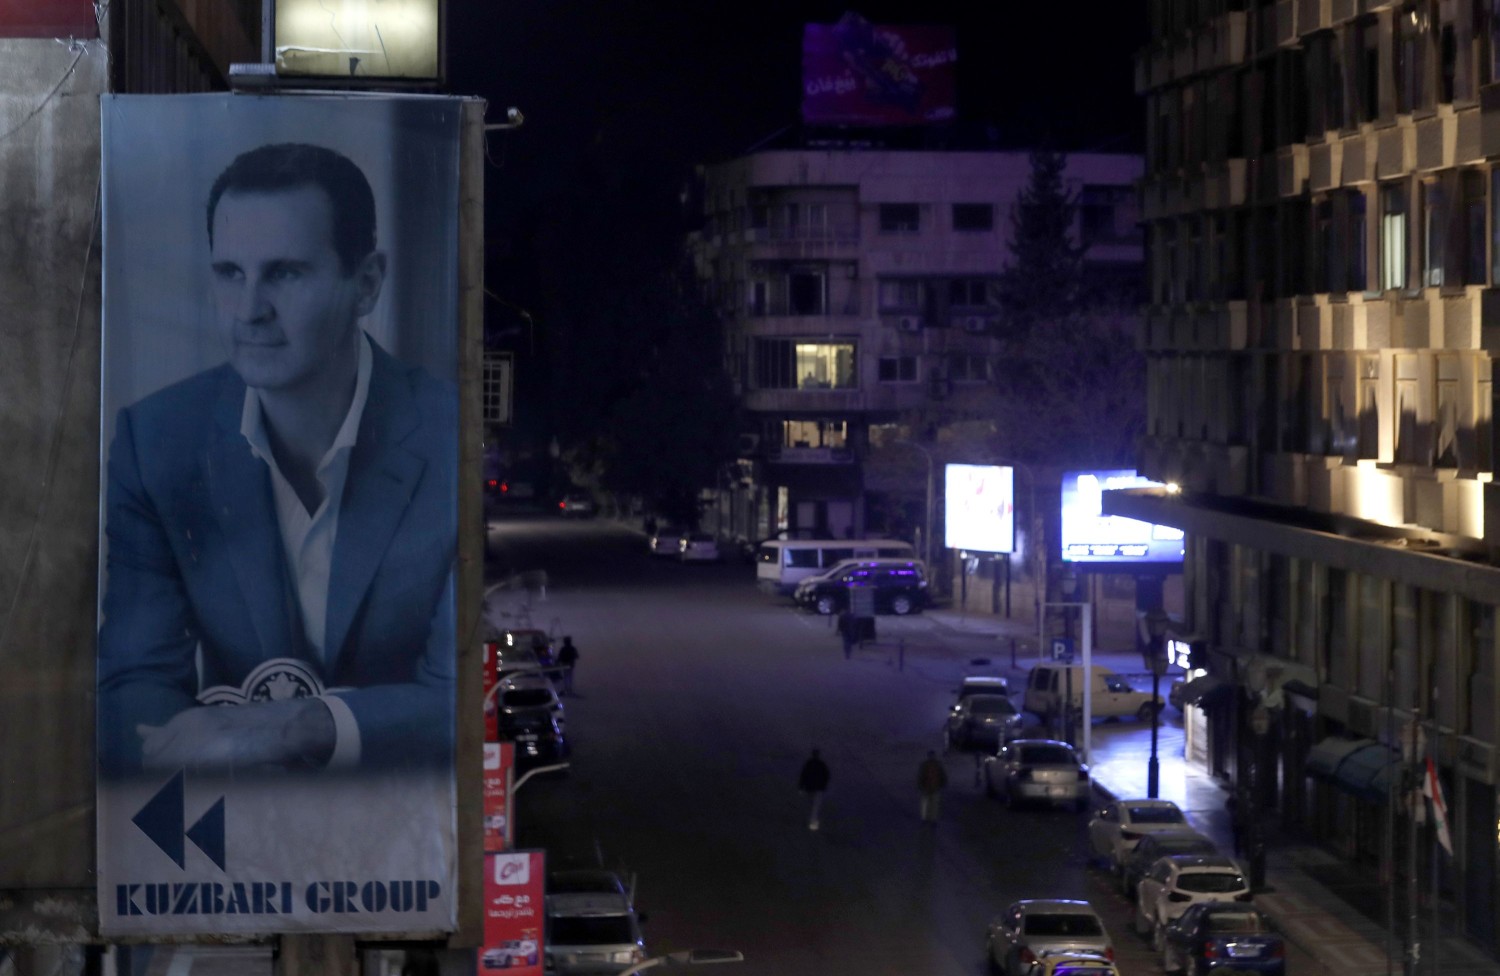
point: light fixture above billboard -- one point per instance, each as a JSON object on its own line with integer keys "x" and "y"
{"x": 373, "y": 39}
{"x": 1089, "y": 536}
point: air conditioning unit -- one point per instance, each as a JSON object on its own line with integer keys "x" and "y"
{"x": 749, "y": 443}
{"x": 910, "y": 323}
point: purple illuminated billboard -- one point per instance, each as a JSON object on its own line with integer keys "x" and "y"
{"x": 858, "y": 73}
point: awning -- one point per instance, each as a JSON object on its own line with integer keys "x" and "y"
{"x": 1363, "y": 767}
{"x": 1199, "y": 688}
{"x": 1323, "y": 758}
{"x": 1368, "y": 772}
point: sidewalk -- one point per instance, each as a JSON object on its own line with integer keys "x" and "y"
{"x": 1326, "y": 924}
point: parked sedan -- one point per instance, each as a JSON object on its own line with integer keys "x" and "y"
{"x": 981, "y": 720}
{"x": 1173, "y": 884}
{"x": 698, "y": 547}
{"x": 576, "y": 505}
{"x": 666, "y": 542}
{"x": 539, "y": 740}
{"x": 1156, "y": 846}
{"x": 1118, "y": 827}
{"x": 1041, "y": 770}
{"x": 530, "y": 690}
{"x": 1063, "y": 962}
{"x": 1223, "y": 936}
{"x": 1028, "y": 928}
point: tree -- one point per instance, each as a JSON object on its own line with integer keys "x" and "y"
{"x": 1044, "y": 281}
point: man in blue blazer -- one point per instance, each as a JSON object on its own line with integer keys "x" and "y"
{"x": 282, "y": 528}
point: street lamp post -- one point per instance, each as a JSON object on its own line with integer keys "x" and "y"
{"x": 1156, "y": 659}
{"x": 687, "y": 957}
{"x": 927, "y": 519}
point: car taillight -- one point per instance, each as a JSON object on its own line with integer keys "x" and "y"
{"x": 562, "y": 504}
{"x": 1210, "y": 950}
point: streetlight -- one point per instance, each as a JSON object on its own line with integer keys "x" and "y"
{"x": 687, "y": 957}
{"x": 1156, "y": 659}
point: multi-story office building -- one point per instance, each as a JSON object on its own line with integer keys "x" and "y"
{"x": 1320, "y": 197}
{"x": 858, "y": 288}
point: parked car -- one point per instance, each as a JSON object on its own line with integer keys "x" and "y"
{"x": 538, "y": 738}
{"x": 576, "y": 505}
{"x": 981, "y": 720}
{"x": 529, "y": 690}
{"x": 1068, "y": 962}
{"x": 899, "y": 585}
{"x": 591, "y": 932}
{"x": 1229, "y": 937}
{"x": 982, "y": 684}
{"x": 1111, "y": 696}
{"x": 1117, "y": 827}
{"x": 1040, "y": 770}
{"x": 698, "y": 547}
{"x": 1153, "y": 847}
{"x": 666, "y": 541}
{"x": 512, "y": 643}
{"x": 1174, "y": 883}
{"x": 1033, "y": 926}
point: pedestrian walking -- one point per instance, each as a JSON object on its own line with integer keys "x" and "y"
{"x": 931, "y": 779}
{"x": 567, "y": 659}
{"x": 1236, "y": 823}
{"x": 814, "y": 782}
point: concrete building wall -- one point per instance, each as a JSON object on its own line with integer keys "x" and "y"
{"x": 49, "y": 423}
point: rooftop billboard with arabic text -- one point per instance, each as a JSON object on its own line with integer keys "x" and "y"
{"x": 858, "y": 73}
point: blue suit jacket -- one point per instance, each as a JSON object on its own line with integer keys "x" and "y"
{"x": 195, "y": 559}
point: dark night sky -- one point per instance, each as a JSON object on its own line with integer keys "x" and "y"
{"x": 623, "y": 97}
{"x": 657, "y": 85}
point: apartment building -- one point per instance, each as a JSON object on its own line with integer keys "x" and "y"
{"x": 1320, "y": 201}
{"x": 858, "y": 288}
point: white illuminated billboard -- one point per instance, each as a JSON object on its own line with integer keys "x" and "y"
{"x": 980, "y": 502}
{"x": 1089, "y": 536}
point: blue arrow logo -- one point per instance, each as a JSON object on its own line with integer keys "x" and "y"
{"x": 163, "y": 817}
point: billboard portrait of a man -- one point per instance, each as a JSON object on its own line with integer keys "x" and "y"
{"x": 279, "y": 486}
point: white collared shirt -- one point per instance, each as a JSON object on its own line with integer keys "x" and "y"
{"x": 307, "y": 538}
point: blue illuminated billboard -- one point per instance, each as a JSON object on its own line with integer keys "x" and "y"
{"x": 1089, "y": 536}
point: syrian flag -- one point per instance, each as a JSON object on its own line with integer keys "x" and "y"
{"x": 1432, "y": 788}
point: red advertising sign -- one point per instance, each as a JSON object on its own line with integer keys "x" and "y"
{"x": 858, "y": 73}
{"x": 48, "y": 18}
{"x": 499, "y": 760}
{"x": 514, "y": 886}
{"x": 491, "y": 707}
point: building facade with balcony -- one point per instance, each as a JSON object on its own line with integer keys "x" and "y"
{"x": 1320, "y": 198}
{"x": 859, "y": 289}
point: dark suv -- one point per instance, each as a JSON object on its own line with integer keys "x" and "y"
{"x": 900, "y": 587}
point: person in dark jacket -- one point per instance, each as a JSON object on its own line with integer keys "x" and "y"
{"x": 931, "y": 779}
{"x": 814, "y": 782}
{"x": 567, "y": 659}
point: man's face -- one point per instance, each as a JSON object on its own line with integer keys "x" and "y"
{"x": 287, "y": 309}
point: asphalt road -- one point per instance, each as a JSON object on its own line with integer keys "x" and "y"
{"x": 697, "y": 700}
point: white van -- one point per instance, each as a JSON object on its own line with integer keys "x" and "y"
{"x": 780, "y": 564}
{"x": 1112, "y": 697}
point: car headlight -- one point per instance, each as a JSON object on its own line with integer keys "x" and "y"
{"x": 627, "y": 956}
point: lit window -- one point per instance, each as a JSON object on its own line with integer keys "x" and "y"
{"x": 1393, "y": 214}
{"x": 825, "y": 366}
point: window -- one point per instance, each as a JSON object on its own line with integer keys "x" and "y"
{"x": 785, "y": 364}
{"x": 1366, "y": 37}
{"x": 1393, "y": 236}
{"x": 1099, "y": 213}
{"x": 969, "y": 292}
{"x": 1413, "y": 92}
{"x": 1471, "y": 189}
{"x": 972, "y": 217}
{"x": 815, "y": 433}
{"x": 897, "y": 369}
{"x": 967, "y": 368}
{"x": 496, "y": 400}
{"x": 1435, "y": 218}
{"x": 807, "y": 292}
{"x": 902, "y": 294}
{"x": 899, "y": 218}
{"x": 1354, "y": 240}
{"x": 758, "y": 297}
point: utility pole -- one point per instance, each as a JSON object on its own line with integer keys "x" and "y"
{"x": 1413, "y": 925}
